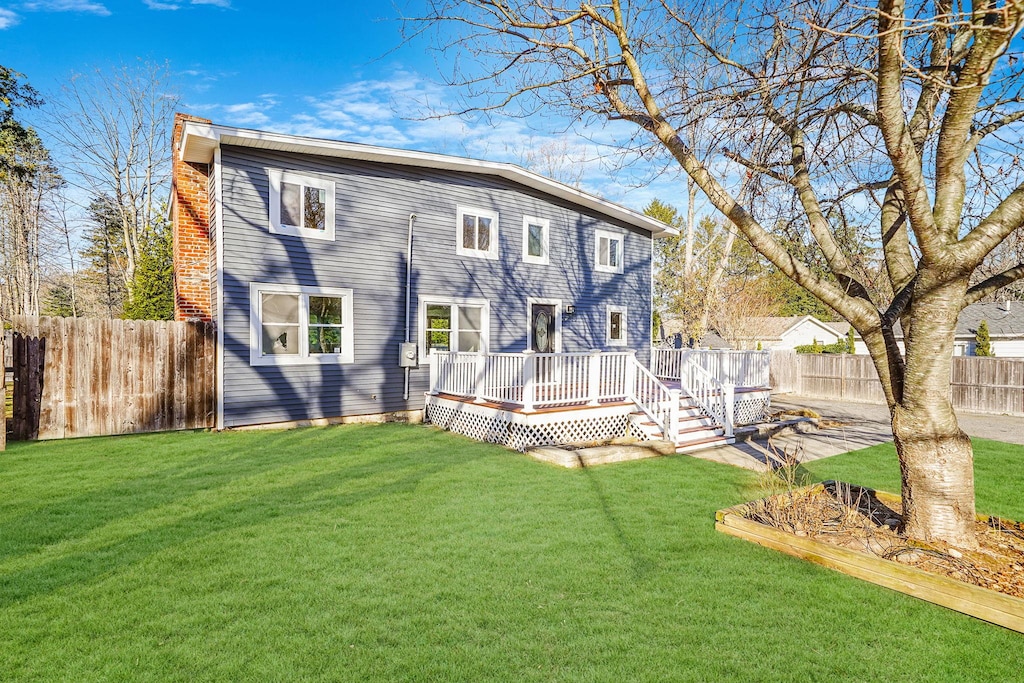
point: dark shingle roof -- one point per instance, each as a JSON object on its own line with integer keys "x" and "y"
{"x": 1003, "y": 318}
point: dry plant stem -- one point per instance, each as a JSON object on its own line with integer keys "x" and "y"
{"x": 854, "y": 518}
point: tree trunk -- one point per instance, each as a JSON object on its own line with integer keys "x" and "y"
{"x": 936, "y": 457}
{"x": 691, "y": 200}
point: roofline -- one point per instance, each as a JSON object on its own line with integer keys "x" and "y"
{"x": 199, "y": 140}
{"x": 822, "y": 325}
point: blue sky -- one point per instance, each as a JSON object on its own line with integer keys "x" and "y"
{"x": 336, "y": 69}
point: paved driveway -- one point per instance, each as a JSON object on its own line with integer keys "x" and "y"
{"x": 854, "y": 426}
{"x": 997, "y": 427}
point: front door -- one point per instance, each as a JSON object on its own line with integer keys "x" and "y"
{"x": 544, "y": 330}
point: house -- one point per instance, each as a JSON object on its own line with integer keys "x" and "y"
{"x": 782, "y": 332}
{"x": 673, "y": 334}
{"x": 1005, "y": 321}
{"x": 334, "y": 271}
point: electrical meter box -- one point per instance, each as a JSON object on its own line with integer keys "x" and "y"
{"x": 407, "y": 355}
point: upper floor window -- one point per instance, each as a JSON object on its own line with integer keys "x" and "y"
{"x": 608, "y": 257}
{"x": 535, "y": 239}
{"x": 290, "y": 324}
{"x": 477, "y": 233}
{"x": 301, "y": 205}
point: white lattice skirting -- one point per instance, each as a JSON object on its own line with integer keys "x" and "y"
{"x": 522, "y": 431}
{"x": 751, "y": 407}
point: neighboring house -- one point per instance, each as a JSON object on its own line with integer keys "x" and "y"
{"x": 1005, "y": 326}
{"x": 672, "y": 335}
{"x": 317, "y": 258}
{"x": 782, "y": 332}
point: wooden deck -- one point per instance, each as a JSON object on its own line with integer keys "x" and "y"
{"x": 542, "y": 410}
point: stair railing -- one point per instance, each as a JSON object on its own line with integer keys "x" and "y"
{"x": 713, "y": 396}
{"x": 656, "y": 400}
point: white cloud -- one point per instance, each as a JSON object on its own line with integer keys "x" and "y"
{"x": 178, "y": 4}
{"x": 7, "y": 18}
{"x": 253, "y": 113}
{"x": 66, "y": 6}
{"x": 390, "y": 113}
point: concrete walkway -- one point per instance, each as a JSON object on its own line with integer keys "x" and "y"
{"x": 846, "y": 427}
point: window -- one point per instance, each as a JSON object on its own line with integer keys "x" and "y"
{"x": 535, "y": 240}
{"x": 477, "y": 233}
{"x": 453, "y": 325}
{"x": 294, "y": 325}
{"x": 616, "y": 327}
{"x": 301, "y": 205}
{"x": 609, "y": 251}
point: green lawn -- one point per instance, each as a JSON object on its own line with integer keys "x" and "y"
{"x": 400, "y": 553}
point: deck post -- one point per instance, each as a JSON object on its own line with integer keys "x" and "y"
{"x": 729, "y": 395}
{"x": 481, "y": 378}
{"x": 433, "y": 371}
{"x": 673, "y": 416}
{"x": 594, "y": 377}
{"x": 529, "y": 380}
{"x": 630, "y": 372}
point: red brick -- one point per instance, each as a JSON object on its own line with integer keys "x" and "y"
{"x": 191, "y": 231}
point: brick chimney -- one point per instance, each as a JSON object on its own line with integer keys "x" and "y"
{"x": 191, "y": 230}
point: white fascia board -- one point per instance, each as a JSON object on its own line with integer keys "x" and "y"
{"x": 816, "y": 322}
{"x": 200, "y": 139}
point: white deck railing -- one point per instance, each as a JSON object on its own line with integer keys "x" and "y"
{"x": 714, "y": 396}
{"x": 536, "y": 380}
{"x": 739, "y": 368}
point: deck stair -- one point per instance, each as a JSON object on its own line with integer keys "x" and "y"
{"x": 695, "y": 430}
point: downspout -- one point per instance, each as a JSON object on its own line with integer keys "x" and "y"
{"x": 408, "y": 298}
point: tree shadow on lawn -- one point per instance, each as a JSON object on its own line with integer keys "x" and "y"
{"x": 261, "y": 494}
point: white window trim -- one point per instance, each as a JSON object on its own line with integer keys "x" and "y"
{"x": 608, "y": 325}
{"x": 557, "y": 303}
{"x": 256, "y": 356}
{"x": 598, "y": 234}
{"x": 492, "y": 252}
{"x": 544, "y": 258}
{"x": 425, "y": 301}
{"x": 276, "y": 178}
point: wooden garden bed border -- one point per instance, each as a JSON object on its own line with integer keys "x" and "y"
{"x": 981, "y": 603}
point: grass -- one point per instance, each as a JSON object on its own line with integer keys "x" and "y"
{"x": 392, "y": 552}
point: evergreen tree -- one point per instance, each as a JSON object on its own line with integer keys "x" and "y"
{"x": 59, "y": 302}
{"x": 154, "y": 277}
{"x": 982, "y": 343}
{"x": 105, "y": 256}
{"x": 851, "y": 347}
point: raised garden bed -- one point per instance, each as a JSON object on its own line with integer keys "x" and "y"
{"x": 855, "y": 535}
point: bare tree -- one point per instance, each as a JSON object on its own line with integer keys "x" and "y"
{"x": 26, "y": 186}
{"x": 905, "y": 115}
{"x": 113, "y": 128}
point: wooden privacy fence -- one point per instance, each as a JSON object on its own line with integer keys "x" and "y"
{"x": 90, "y": 377}
{"x": 980, "y": 385}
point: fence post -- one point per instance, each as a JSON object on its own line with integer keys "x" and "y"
{"x": 673, "y": 416}
{"x": 630, "y": 372}
{"x": 729, "y": 395}
{"x": 529, "y": 380}
{"x": 594, "y": 377}
{"x": 434, "y": 360}
{"x": 481, "y": 378}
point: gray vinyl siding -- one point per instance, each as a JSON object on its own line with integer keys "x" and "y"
{"x": 373, "y": 203}
{"x": 211, "y": 189}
